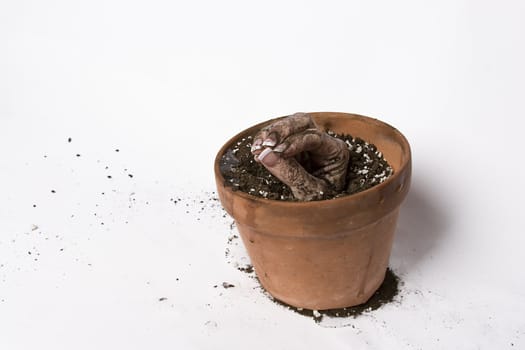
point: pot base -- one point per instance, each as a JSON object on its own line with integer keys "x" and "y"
{"x": 385, "y": 294}
{"x": 322, "y": 273}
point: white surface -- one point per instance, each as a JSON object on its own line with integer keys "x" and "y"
{"x": 147, "y": 77}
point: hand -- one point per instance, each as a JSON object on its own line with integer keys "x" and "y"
{"x": 305, "y": 158}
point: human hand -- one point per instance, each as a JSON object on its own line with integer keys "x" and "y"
{"x": 305, "y": 158}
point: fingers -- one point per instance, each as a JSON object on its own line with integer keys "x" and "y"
{"x": 304, "y": 186}
{"x": 332, "y": 157}
{"x": 274, "y": 133}
{"x": 308, "y": 140}
{"x": 329, "y": 155}
{"x": 334, "y": 173}
{"x": 280, "y": 145}
{"x": 318, "y": 143}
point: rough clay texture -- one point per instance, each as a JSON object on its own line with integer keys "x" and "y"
{"x": 366, "y": 168}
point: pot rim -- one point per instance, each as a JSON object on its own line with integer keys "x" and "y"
{"x": 287, "y": 204}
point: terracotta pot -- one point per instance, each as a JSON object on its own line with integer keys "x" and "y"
{"x": 324, "y": 254}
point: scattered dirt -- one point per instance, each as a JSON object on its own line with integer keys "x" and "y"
{"x": 366, "y": 168}
{"x": 384, "y": 295}
{"x": 247, "y": 269}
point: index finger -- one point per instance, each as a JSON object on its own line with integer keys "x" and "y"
{"x": 276, "y": 132}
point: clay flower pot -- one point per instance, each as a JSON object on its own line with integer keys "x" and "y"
{"x": 324, "y": 254}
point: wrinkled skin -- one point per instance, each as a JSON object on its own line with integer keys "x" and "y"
{"x": 296, "y": 151}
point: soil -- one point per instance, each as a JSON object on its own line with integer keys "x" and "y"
{"x": 247, "y": 269}
{"x": 366, "y": 168}
{"x": 384, "y": 295}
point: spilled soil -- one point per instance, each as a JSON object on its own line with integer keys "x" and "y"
{"x": 366, "y": 168}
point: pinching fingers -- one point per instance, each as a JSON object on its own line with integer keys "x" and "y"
{"x": 275, "y": 133}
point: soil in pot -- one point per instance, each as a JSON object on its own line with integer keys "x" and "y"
{"x": 366, "y": 168}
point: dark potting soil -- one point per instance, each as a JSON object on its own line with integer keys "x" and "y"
{"x": 366, "y": 168}
{"x": 384, "y": 295}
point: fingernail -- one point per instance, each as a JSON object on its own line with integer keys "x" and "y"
{"x": 268, "y": 157}
{"x": 264, "y": 154}
{"x": 256, "y": 145}
{"x": 280, "y": 148}
{"x": 268, "y": 143}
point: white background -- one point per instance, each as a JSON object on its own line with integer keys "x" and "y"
{"x": 167, "y": 83}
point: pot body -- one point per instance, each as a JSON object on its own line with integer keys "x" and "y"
{"x": 324, "y": 254}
